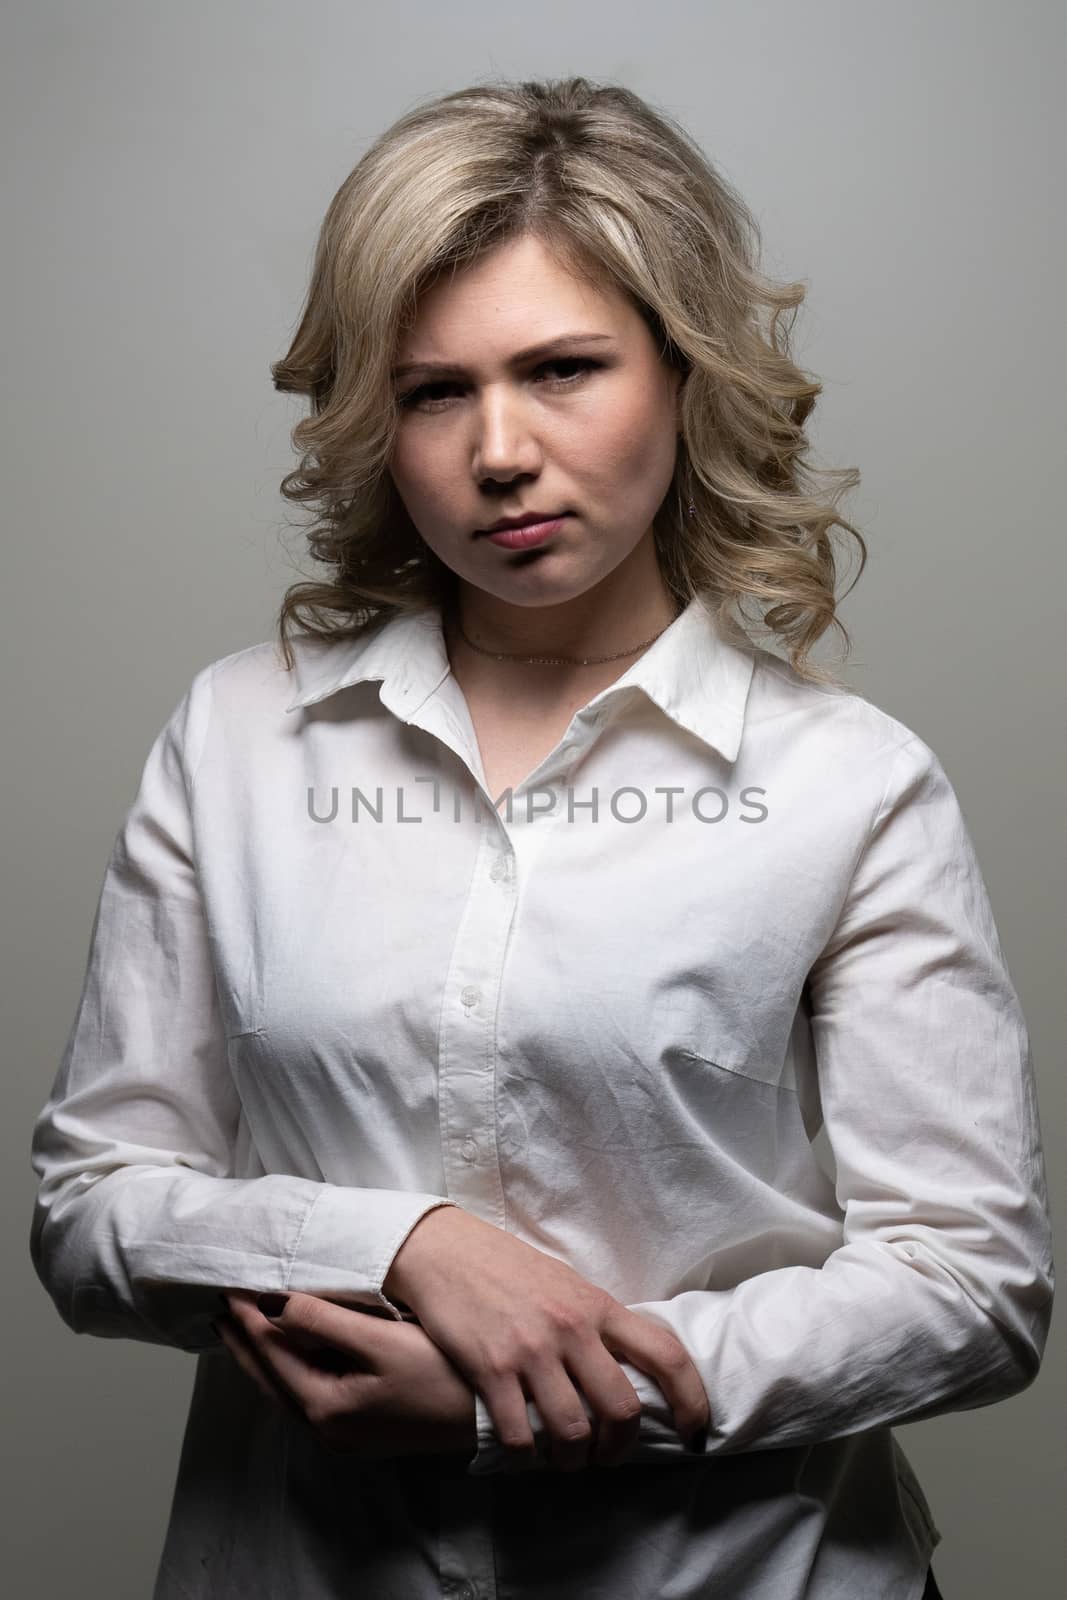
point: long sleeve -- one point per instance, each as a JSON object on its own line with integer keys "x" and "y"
{"x": 139, "y": 1218}
{"x": 939, "y": 1297}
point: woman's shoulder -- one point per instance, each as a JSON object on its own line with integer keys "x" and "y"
{"x": 835, "y": 720}
{"x": 242, "y": 702}
{"x": 257, "y": 677}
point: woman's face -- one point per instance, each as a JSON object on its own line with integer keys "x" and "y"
{"x": 590, "y": 429}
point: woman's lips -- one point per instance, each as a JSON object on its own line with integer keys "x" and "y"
{"x": 532, "y": 533}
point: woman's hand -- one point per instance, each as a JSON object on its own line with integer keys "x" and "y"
{"x": 519, "y": 1322}
{"x": 369, "y": 1387}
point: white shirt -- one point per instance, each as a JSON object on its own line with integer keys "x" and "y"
{"x": 613, "y": 1035}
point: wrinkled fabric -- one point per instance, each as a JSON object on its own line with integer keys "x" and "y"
{"x": 332, "y": 985}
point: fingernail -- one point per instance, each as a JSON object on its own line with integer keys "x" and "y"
{"x": 699, "y": 1442}
{"x": 272, "y": 1305}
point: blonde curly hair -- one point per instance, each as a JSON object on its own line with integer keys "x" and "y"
{"x": 618, "y": 192}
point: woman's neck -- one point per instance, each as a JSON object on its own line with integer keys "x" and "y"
{"x": 519, "y": 634}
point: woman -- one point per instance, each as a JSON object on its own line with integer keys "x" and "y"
{"x": 490, "y": 957}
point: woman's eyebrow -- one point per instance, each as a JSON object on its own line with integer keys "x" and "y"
{"x": 546, "y": 347}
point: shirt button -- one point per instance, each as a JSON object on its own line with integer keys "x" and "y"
{"x": 499, "y": 869}
{"x": 468, "y": 1150}
{"x": 470, "y": 995}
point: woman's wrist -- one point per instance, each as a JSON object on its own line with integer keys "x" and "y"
{"x": 394, "y": 1284}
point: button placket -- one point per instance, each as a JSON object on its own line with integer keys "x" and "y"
{"x": 467, "y": 1040}
{"x": 465, "y": 1542}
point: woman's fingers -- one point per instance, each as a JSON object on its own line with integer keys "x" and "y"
{"x": 244, "y": 1355}
{"x": 614, "y": 1401}
{"x": 565, "y": 1418}
{"x": 413, "y": 1402}
{"x": 340, "y": 1337}
{"x": 266, "y": 1355}
{"x": 297, "y": 1353}
{"x": 656, "y": 1351}
{"x": 506, "y": 1401}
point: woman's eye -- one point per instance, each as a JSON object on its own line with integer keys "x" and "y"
{"x": 431, "y": 397}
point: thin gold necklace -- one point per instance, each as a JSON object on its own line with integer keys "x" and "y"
{"x": 561, "y": 661}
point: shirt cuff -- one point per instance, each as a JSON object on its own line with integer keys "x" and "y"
{"x": 350, "y": 1238}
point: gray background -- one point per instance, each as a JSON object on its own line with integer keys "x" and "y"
{"x": 165, "y": 171}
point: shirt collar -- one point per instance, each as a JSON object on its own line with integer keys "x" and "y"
{"x": 697, "y": 674}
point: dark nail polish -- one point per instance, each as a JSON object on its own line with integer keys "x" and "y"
{"x": 272, "y": 1305}
{"x": 698, "y": 1443}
